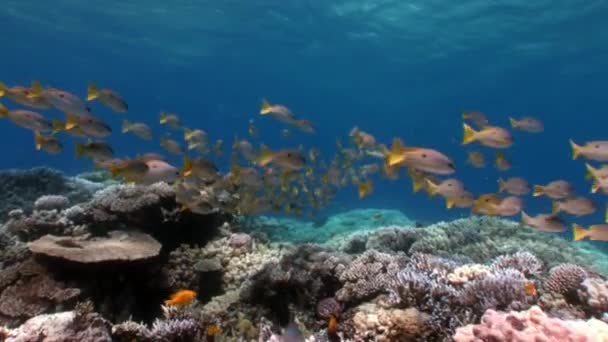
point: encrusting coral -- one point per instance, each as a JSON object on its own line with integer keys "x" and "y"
{"x": 531, "y": 325}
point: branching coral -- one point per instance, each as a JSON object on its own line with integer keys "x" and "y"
{"x": 525, "y": 262}
{"x": 368, "y": 275}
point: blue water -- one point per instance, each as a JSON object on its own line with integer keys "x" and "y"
{"x": 393, "y": 68}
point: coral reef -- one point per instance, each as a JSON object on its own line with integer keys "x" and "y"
{"x": 479, "y": 239}
{"x": 594, "y": 292}
{"x": 565, "y": 279}
{"x": 20, "y": 188}
{"x": 531, "y": 325}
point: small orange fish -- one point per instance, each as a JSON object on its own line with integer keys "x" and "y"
{"x": 181, "y": 297}
{"x": 332, "y": 325}
{"x": 212, "y": 331}
{"x": 530, "y": 288}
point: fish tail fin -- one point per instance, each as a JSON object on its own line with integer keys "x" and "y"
{"x": 3, "y": 111}
{"x": 395, "y": 155}
{"x": 468, "y": 134}
{"x": 71, "y": 121}
{"x": 417, "y": 184}
{"x": 501, "y": 185}
{"x": 606, "y": 215}
{"x": 187, "y": 170}
{"x": 449, "y": 203}
{"x": 163, "y": 118}
{"x": 595, "y": 186}
{"x": 555, "y": 208}
{"x": 92, "y": 92}
{"x": 525, "y": 218}
{"x": 576, "y": 149}
{"x": 590, "y": 171}
{"x": 265, "y": 156}
{"x": 431, "y": 187}
{"x": 126, "y": 126}
{"x": 513, "y": 122}
{"x": 58, "y": 126}
{"x": 578, "y": 232}
{"x": 187, "y": 133}
{"x": 365, "y": 188}
{"x": 36, "y": 90}
{"x": 539, "y": 190}
{"x": 38, "y": 140}
{"x": 266, "y": 107}
{"x": 3, "y": 89}
{"x": 79, "y": 150}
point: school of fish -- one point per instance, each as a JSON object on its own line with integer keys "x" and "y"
{"x": 295, "y": 180}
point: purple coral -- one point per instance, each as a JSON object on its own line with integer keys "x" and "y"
{"x": 503, "y": 289}
{"x": 565, "y": 278}
{"x": 328, "y": 307}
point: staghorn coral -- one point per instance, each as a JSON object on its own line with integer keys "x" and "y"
{"x": 565, "y": 279}
{"x": 373, "y": 323}
{"x": 368, "y": 275}
{"x": 531, "y": 325}
{"x": 176, "y": 325}
{"x": 479, "y": 239}
{"x": 501, "y": 289}
{"x": 525, "y": 262}
{"x": 594, "y": 292}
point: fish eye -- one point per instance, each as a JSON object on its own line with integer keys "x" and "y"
{"x": 449, "y": 184}
{"x": 451, "y": 166}
{"x": 61, "y": 95}
{"x": 288, "y": 154}
{"x": 597, "y": 146}
{"x": 424, "y": 155}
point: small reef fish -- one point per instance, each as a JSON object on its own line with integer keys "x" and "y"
{"x": 594, "y": 232}
{"x": 476, "y": 159}
{"x": 201, "y": 168}
{"x": 544, "y": 222}
{"x": 365, "y": 188}
{"x": 279, "y": 112}
{"x": 159, "y": 171}
{"x": 27, "y": 119}
{"x": 449, "y": 188}
{"x": 527, "y": 124}
{"x": 502, "y": 163}
{"x": 20, "y": 95}
{"x": 60, "y": 99}
{"x": 599, "y": 176}
{"x": 558, "y": 189}
{"x": 464, "y": 200}
{"x": 140, "y": 129}
{"x": 195, "y": 138}
{"x": 423, "y": 159}
{"x": 96, "y": 150}
{"x": 362, "y": 139}
{"x": 516, "y": 186}
{"x": 108, "y": 98}
{"x": 171, "y": 146}
{"x": 485, "y": 204}
{"x": 130, "y": 170}
{"x": 495, "y": 137}
{"x": 304, "y": 126}
{"x": 508, "y": 206}
{"x": 181, "y": 297}
{"x": 530, "y": 288}
{"x": 169, "y": 119}
{"x": 88, "y": 124}
{"x": 288, "y": 159}
{"x": 593, "y": 150}
{"x": 479, "y": 119}
{"x": 49, "y": 143}
{"x": 578, "y": 206}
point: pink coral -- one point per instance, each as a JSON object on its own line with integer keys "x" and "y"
{"x": 532, "y": 325}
